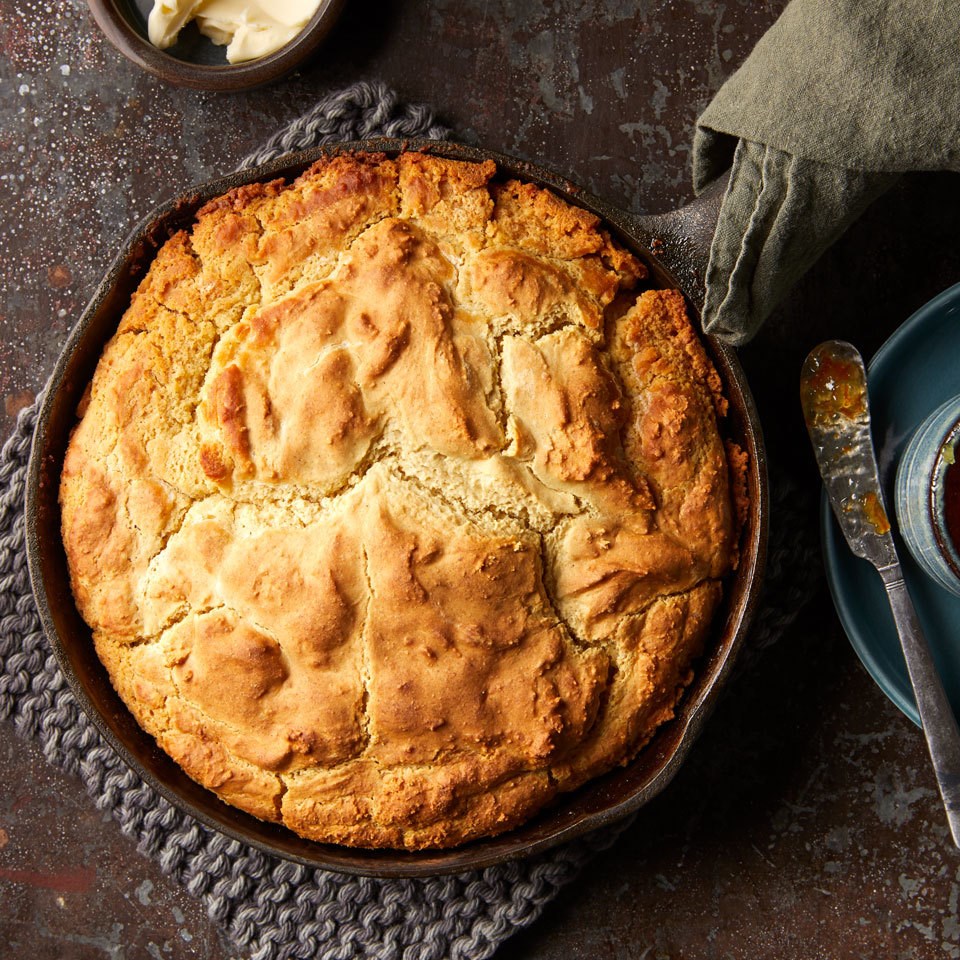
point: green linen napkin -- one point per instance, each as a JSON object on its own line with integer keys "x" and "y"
{"x": 835, "y": 101}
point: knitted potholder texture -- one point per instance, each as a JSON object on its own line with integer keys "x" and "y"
{"x": 271, "y": 908}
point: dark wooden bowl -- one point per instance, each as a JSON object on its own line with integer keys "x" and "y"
{"x": 596, "y": 804}
{"x": 198, "y": 62}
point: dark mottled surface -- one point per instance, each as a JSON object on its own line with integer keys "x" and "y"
{"x": 806, "y": 823}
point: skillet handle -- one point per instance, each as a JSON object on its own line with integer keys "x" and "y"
{"x": 681, "y": 239}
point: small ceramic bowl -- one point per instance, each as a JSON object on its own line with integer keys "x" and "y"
{"x": 194, "y": 61}
{"x": 928, "y": 495}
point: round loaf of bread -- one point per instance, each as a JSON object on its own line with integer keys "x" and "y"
{"x": 397, "y": 506}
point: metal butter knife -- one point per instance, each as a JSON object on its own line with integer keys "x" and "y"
{"x": 833, "y": 393}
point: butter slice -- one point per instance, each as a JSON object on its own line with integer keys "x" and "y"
{"x": 249, "y": 29}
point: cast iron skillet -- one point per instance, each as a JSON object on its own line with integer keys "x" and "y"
{"x": 599, "y": 802}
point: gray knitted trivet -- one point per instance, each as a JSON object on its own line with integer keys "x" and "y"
{"x": 361, "y": 111}
{"x": 271, "y": 908}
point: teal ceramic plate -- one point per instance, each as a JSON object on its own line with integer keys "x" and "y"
{"x": 916, "y": 370}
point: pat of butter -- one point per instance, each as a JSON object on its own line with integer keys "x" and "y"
{"x": 250, "y": 29}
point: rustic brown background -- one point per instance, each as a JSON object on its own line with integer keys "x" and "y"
{"x": 806, "y": 823}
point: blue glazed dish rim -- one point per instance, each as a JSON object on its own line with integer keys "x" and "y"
{"x": 845, "y": 601}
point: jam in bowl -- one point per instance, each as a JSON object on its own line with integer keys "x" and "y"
{"x": 928, "y": 495}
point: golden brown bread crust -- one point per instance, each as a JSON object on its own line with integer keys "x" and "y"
{"x": 392, "y": 513}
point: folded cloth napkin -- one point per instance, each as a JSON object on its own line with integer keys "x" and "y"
{"x": 835, "y": 101}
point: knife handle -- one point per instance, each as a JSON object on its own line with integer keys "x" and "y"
{"x": 936, "y": 714}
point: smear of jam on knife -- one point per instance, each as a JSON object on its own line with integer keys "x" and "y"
{"x": 832, "y": 388}
{"x": 874, "y": 513}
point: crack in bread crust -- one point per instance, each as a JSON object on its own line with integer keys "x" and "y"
{"x": 393, "y": 510}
